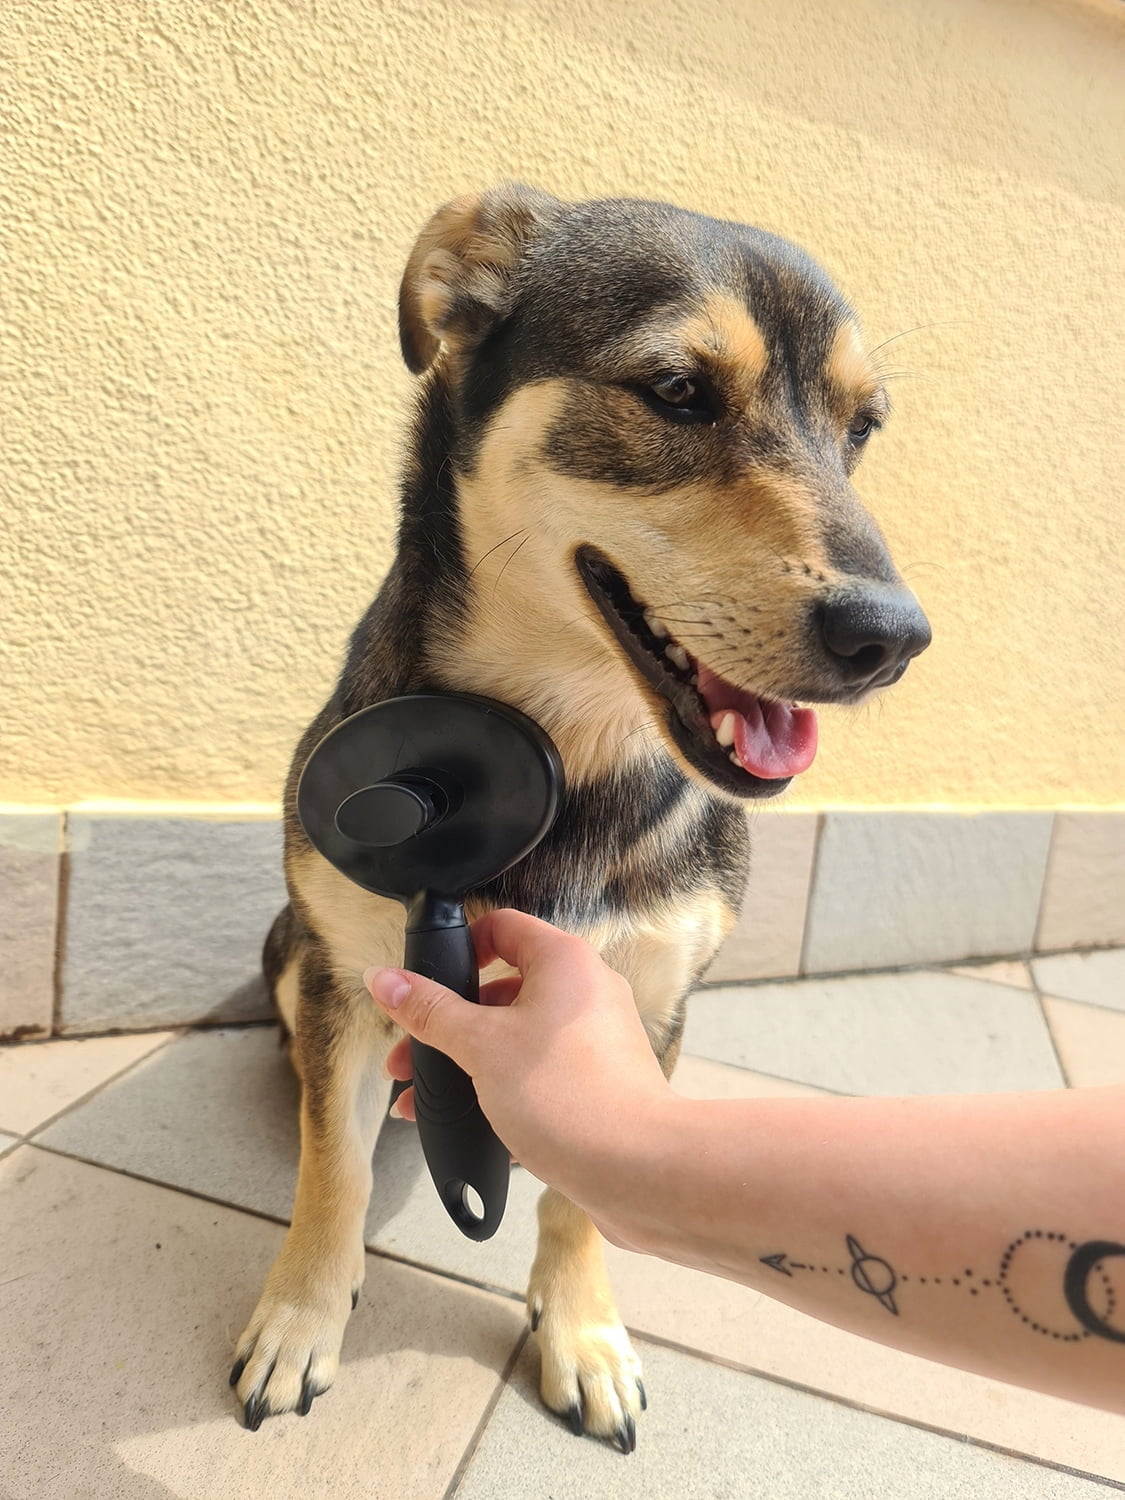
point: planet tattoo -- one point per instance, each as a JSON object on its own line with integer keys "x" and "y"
{"x": 873, "y": 1274}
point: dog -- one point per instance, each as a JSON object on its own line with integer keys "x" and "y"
{"x": 627, "y": 512}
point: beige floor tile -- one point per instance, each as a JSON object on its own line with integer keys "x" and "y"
{"x": 1007, "y": 971}
{"x": 922, "y": 1032}
{"x": 699, "y": 1078}
{"x": 1090, "y": 1042}
{"x": 725, "y": 1434}
{"x": 37, "y": 1079}
{"x": 129, "y": 1299}
{"x": 1098, "y": 978}
{"x": 735, "y": 1323}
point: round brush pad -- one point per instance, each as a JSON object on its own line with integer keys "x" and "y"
{"x": 434, "y": 792}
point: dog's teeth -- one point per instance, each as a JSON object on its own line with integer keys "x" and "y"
{"x": 725, "y": 732}
{"x": 656, "y": 624}
{"x": 734, "y": 760}
{"x": 694, "y": 679}
{"x": 677, "y": 655}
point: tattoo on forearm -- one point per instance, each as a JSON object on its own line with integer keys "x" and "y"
{"x": 1057, "y": 1287}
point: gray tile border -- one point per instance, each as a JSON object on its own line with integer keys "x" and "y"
{"x": 7, "y": 1142}
{"x": 166, "y": 919}
{"x": 724, "y": 1433}
{"x": 914, "y": 1033}
{"x": 767, "y": 941}
{"x": 1097, "y": 978}
{"x": 909, "y": 888}
{"x": 165, "y": 915}
{"x": 29, "y": 890}
{"x": 1084, "y": 892}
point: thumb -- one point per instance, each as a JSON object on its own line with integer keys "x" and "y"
{"x": 427, "y": 1011}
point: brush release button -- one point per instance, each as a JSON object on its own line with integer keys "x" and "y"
{"x": 391, "y": 811}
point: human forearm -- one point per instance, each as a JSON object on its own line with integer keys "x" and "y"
{"x": 963, "y": 1229}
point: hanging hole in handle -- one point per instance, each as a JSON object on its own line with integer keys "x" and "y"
{"x": 464, "y": 1204}
{"x": 472, "y": 1204}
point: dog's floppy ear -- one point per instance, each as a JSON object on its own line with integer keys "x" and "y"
{"x": 457, "y": 283}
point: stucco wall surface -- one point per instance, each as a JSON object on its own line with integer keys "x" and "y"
{"x": 204, "y": 211}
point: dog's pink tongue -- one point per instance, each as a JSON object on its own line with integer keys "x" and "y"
{"x": 772, "y": 740}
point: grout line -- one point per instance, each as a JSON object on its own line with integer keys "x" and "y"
{"x": 171, "y": 1187}
{"x": 810, "y": 895}
{"x": 923, "y": 966}
{"x": 1047, "y": 863}
{"x": 456, "y": 1276}
{"x": 1068, "y": 1082}
{"x": 85, "y": 1098}
{"x": 180, "y": 1026}
{"x": 1106, "y": 1010}
{"x": 722, "y": 1062}
{"x": 947, "y": 1432}
{"x": 62, "y": 903}
{"x": 486, "y": 1417}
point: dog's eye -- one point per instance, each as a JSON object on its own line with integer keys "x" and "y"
{"x": 680, "y": 397}
{"x": 861, "y": 428}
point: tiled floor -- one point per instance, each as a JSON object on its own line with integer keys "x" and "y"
{"x": 143, "y": 1179}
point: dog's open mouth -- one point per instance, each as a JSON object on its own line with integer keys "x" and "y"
{"x": 746, "y": 744}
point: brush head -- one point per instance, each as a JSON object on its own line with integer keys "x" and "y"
{"x": 433, "y": 792}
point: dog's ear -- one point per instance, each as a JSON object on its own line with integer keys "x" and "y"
{"x": 457, "y": 283}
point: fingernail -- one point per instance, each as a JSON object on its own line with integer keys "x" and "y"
{"x": 389, "y": 986}
{"x": 394, "y": 1111}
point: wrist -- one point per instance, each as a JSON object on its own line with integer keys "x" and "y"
{"x": 633, "y": 1189}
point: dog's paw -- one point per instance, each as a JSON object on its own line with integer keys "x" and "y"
{"x": 290, "y": 1349}
{"x": 590, "y": 1374}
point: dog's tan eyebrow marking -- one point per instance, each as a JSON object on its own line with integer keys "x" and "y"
{"x": 723, "y": 332}
{"x": 853, "y": 374}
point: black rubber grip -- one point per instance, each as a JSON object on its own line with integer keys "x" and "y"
{"x": 461, "y": 1148}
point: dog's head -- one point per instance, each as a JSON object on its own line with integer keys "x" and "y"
{"x": 659, "y": 414}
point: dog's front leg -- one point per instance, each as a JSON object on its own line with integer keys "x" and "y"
{"x": 589, "y": 1372}
{"x": 290, "y": 1349}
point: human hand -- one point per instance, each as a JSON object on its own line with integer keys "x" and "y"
{"x": 557, "y": 1052}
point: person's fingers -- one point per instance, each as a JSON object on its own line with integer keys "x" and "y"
{"x": 429, "y": 1012}
{"x": 399, "y": 1064}
{"x": 524, "y": 941}
{"x": 502, "y": 991}
{"x": 403, "y": 1106}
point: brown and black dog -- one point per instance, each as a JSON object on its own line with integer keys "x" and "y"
{"x": 627, "y": 511}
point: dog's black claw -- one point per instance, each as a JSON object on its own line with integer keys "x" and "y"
{"x": 355, "y": 1299}
{"x": 574, "y": 1417}
{"x": 236, "y": 1373}
{"x": 627, "y": 1435}
{"x": 254, "y": 1413}
{"x": 641, "y": 1393}
{"x": 536, "y": 1314}
{"x": 308, "y": 1396}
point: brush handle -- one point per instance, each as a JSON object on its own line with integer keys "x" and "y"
{"x": 462, "y": 1150}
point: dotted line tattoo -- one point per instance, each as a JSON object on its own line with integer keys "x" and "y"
{"x": 1057, "y": 1287}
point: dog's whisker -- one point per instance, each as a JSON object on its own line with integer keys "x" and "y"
{"x": 498, "y": 545}
{"x": 508, "y": 562}
{"x": 918, "y": 328}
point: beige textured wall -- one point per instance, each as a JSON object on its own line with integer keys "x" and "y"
{"x": 205, "y": 208}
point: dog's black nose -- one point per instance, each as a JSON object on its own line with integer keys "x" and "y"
{"x": 872, "y": 632}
